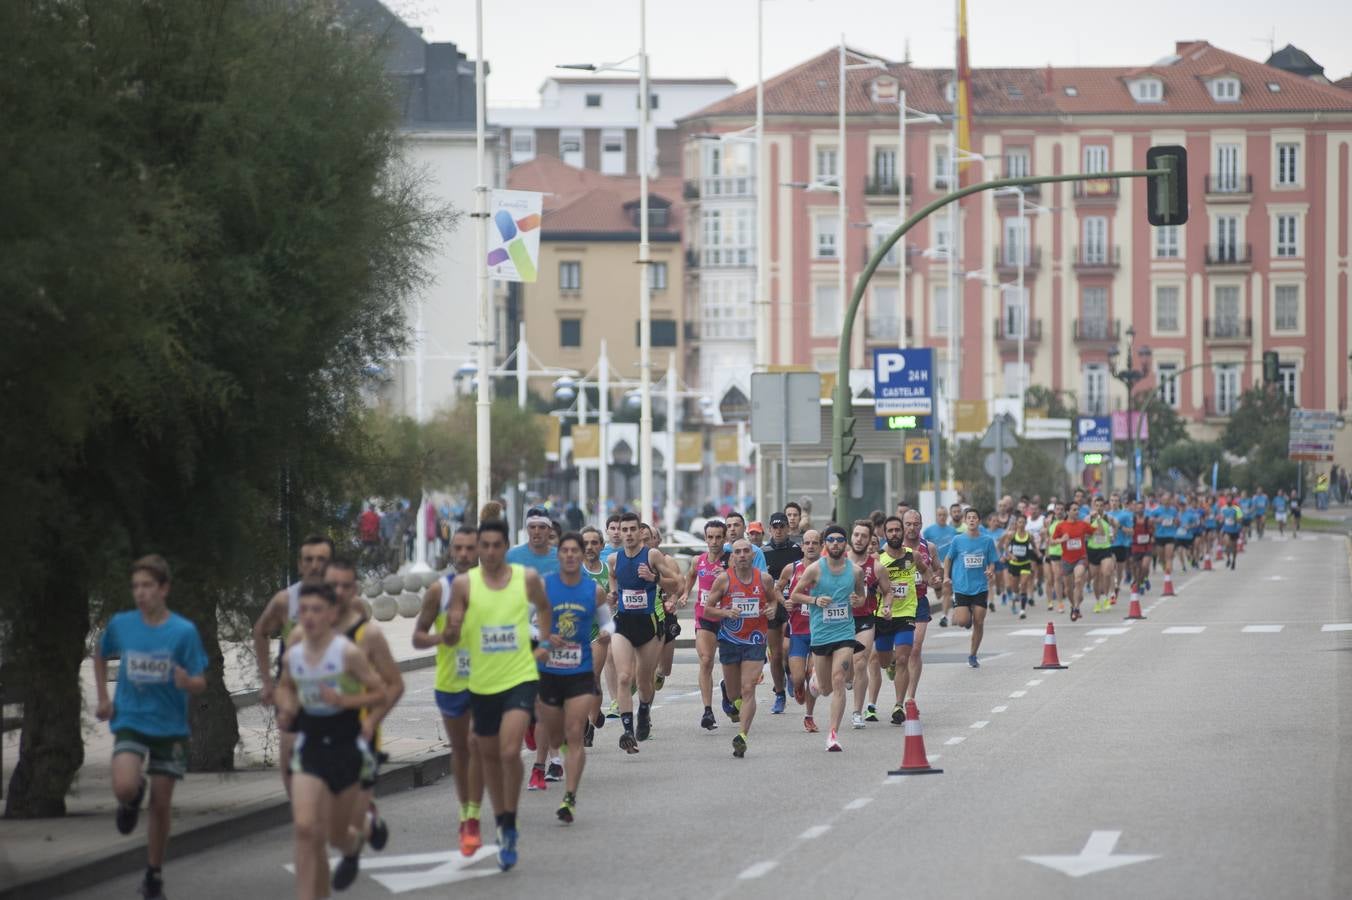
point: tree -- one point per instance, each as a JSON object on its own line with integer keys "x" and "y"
{"x": 1055, "y": 404}
{"x": 1035, "y": 471}
{"x": 208, "y": 237}
{"x": 1193, "y": 459}
{"x": 1259, "y": 431}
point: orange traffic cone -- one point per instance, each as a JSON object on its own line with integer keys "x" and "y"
{"x": 914, "y": 760}
{"x": 1220, "y": 554}
{"x": 1240, "y": 548}
{"x": 1134, "y": 611}
{"x": 1206, "y": 563}
{"x": 1049, "y": 658}
{"x": 1168, "y": 585}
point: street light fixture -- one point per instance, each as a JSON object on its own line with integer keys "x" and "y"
{"x": 1129, "y": 376}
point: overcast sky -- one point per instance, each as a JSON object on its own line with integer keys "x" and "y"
{"x": 524, "y": 39}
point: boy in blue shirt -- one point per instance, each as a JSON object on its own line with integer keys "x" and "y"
{"x": 969, "y": 567}
{"x": 162, "y": 662}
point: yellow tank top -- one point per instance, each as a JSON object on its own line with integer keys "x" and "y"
{"x": 903, "y": 579}
{"x": 452, "y": 662}
{"x": 497, "y": 634}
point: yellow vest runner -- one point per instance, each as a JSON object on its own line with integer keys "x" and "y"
{"x": 452, "y": 662}
{"x": 902, "y": 573}
{"x": 497, "y": 634}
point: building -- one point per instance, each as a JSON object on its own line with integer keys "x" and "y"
{"x": 592, "y": 122}
{"x": 1261, "y": 265}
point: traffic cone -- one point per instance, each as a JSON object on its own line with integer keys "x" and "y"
{"x": 1220, "y": 554}
{"x": 1206, "y": 563}
{"x": 1134, "y": 611}
{"x": 1168, "y": 585}
{"x": 1049, "y": 658}
{"x": 914, "y": 760}
{"x": 1240, "y": 547}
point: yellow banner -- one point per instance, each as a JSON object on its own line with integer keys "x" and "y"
{"x": 689, "y": 450}
{"x": 552, "y": 427}
{"x": 726, "y": 451}
{"x": 586, "y": 443}
{"x": 971, "y": 415}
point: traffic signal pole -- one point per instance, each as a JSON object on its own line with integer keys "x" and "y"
{"x": 842, "y": 411}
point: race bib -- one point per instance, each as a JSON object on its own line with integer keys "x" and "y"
{"x": 1074, "y": 544}
{"x": 1020, "y": 550}
{"x": 149, "y": 668}
{"x": 899, "y": 590}
{"x": 1166, "y": 522}
{"x": 497, "y": 639}
{"x": 747, "y": 608}
{"x": 461, "y": 664}
{"x": 1142, "y": 538}
{"x": 973, "y": 560}
{"x": 311, "y": 691}
{"x": 569, "y": 656}
{"x": 835, "y": 614}
{"x": 633, "y": 601}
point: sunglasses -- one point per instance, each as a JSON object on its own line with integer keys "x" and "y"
{"x": 835, "y": 539}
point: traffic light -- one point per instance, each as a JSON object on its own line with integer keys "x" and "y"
{"x": 847, "y": 442}
{"x": 1271, "y": 365}
{"x": 1167, "y": 195}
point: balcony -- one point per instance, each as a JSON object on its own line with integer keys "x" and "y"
{"x": 691, "y": 256}
{"x": 1231, "y": 187}
{"x": 1032, "y": 193}
{"x": 886, "y": 329}
{"x": 1098, "y": 259}
{"x": 1229, "y": 256}
{"x": 1097, "y": 331}
{"x": 1227, "y": 330}
{"x": 1007, "y": 330}
{"x": 1098, "y": 190}
{"x": 1213, "y": 408}
{"x": 690, "y": 190}
{"x": 728, "y": 186}
{"x": 875, "y": 187}
{"x": 1007, "y": 259}
{"x": 889, "y": 263}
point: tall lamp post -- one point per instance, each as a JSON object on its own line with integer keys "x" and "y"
{"x": 1129, "y": 376}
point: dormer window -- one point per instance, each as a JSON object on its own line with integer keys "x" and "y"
{"x": 1071, "y": 91}
{"x": 1147, "y": 90}
{"x": 951, "y": 91}
{"x": 884, "y": 89}
{"x": 1225, "y": 90}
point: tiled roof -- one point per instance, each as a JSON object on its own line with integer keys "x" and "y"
{"x": 581, "y": 200}
{"x": 811, "y": 88}
{"x": 1344, "y": 83}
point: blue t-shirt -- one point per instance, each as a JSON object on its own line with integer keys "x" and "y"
{"x": 637, "y": 596}
{"x": 836, "y": 622}
{"x": 1084, "y": 512}
{"x": 1246, "y": 507}
{"x": 1279, "y": 503}
{"x": 940, "y": 536}
{"x": 147, "y": 699}
{"x": 1190, "y": 521}
{"x": 1166, "y": 521}
{"x": 1230, "y": 520}
{"x": 1125, "y": 520}
{"x": 1260, "y": 503}
{"x": 545, "y": 564}
{"x": 574, "y": 610}
{"x": 757, "y": 556}
{"x": 970, "y": 557}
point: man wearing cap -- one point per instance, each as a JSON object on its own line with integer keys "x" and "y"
{"x": 755, "y": 533}
{"x": 538, "y": 552}
{"x": 780, "y": 552}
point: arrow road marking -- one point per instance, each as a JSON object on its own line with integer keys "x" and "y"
{"x": 1097, "y": 856}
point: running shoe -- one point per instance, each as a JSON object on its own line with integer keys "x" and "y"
{"x": 128, "y": 813}
{"x": 990, "y": 605}
{"x": 380, "y": 832}
{"x": 644, "y": 728}
{"x": 707, "y": 721}
{"x": 971, "y": 661}
{"x": 152, "y": 887}
{"x": 507, "y": 848}
{"x": 346, "y": 872}
{"x": 1014, "y": 608}
{"x": 808, "y": 725}
{"x": 600, "y": 720}
{"x": 1004, "y": 600}
{"x": 778, "y": 707}
{"x": 613, "y": 710}
{"x": 856, "y": 720}
{"x": 892, "y": 672}
{"x": 943, "y": 621}
{"x": 739, "y": 745}
{"x": 555, "y": 771}
{"x": 832, "y": 744}
{"x": 589, "y": 735}
{"x": 1061, "y": 607}
{"x": 898, "y": 715}
{"x": 870, "y": 713}
{"x": 728, "y": 709}
{"x": 537, "y": 779}
{"x": 659, "y": 681}
{"x": 1023, "y": 614}
{"x": 530, "y": 737}
{"x": 628, "y": 743}
{"x": 565, "y": 811}
{"x": 470, "y": 838}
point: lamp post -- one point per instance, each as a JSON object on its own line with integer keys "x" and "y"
{"x": 1129, "y": 376}
{"x": 1024, "y": 208}
{"x": 483, "y": 337}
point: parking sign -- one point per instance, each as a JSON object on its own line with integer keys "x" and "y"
{"x": 903, "y": 382}
{"x": 1094, "y": 434}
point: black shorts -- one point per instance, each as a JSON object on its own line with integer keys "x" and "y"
{"x": 703, "y": 624}
{"x": 1020, "y": 568}
{"x": 1163, "y": 541}
{"x": 830, "y": 649}
{"x": 669, "y": 628}
{"x": 636, "y": 628}
{"x": 488, "y": 709}
{"x": 1098, "y": 554}
{"x": 1185, "y": 543}
{"x": 969, "y": 599}
{"x": 894, "y": 625}
{"x": 1120, "y": 553}
{"x": 340, "y": 761}
{"x": 780, "y": 618}
{"x": 864, "y": 623}
{"x": 555, "y": 689}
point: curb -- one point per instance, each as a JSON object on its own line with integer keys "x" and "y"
{"x": 264, "y": 814}
{"x": 246, "y": 699}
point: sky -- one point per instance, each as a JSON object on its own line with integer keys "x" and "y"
{"x": 525, "y": 39}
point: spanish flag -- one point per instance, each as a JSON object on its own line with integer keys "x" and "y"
{"x": 962, "y": 96}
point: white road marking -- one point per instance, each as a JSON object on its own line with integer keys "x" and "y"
{"x": 859, "y": 803}
{"x": 982, "y": 724}
{"x": 1342, "y": 626}
{"x": 817, "y": 831}
{"x": 999, "y": 709}
{"x": 1029, "y": 632}
{"x": 1100, "y": 640}
{"x": 895, "y": 779}
{"x": 1017, "y": 694}
{"x": 1262, "y": 629}
{"x": 1088, "y": 649}
{"x": 1276, "y": 578}
{"x": 1035, "y": 682}
{"x": 1096, "y": 856}
{"x": 1095, "y": 632}
{"x": 1184, "y": 629}
{"x": 1076, "y": 655}
{"x": 953, "y": 741}
{"x": 759, "y": 869}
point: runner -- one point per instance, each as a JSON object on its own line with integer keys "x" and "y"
{"x": 635, "y": 648}
{"x": 1122, "y": 521}
{"x": 608, "y": 673}
{"x": 829, "y": 589}
{"x": 1246, "y": 513}
{"x": 1295, "y": 515}
{"x": 995, "y": 530}
{"x": 861, "y": 554}
{"x": 451, "y": 687}
{"x": 908, "y": 677}
{"x": 278, "y": 618}
{"x": 800, "y": 636}
{"x": 707, "y": 567}
{"x": 794, "y": 512}
{"x": 1071, "y": 536}
{"x": 743, "y": 600}
{"x": 326, "y": 682}
{"x": 1051, "y": 551}
{"x": 669, "y": 598}
{"x": 490, "y": 610}
{"x": 161, "y": 663}
{"x": 1260, "y": 510}
{"x": 1166, "y": 528}
{"x": 1279, "y": 511}
{"x": 941, "y": 534}
{"x": 1037, "y": 526}
{"x": 780, "y": 553}
{"x": 971, "y": 566}
{"x": 1232, "y": 521}
{"x": 1021, "y": 550}
{"x": 1102, "y": 564}
{"x": 599, "y": 572}
{"x": 1142, "y": 545}
{"x": 896, "y": 612}
{"x": 540, "y": 553}
{"x": 567, "y": 681}
{"x": 1185, "y": 539}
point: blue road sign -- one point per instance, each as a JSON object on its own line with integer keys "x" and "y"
{"x": 1094, "y": 434}
{"x": 903, "y": 382}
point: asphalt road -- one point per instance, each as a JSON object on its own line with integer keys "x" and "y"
{"x": 1185, "y": 755}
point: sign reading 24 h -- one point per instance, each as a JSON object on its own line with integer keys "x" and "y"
{"x": 902, "y": 382}
{"x": 1095, "y": 434}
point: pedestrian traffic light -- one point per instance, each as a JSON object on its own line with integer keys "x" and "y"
{"x": 1167, "y": 194}
{"x": 847, "y": 442}
{"x": 1271, "y": 366}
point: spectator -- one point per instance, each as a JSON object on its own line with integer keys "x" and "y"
{"x": 368, "y": 527}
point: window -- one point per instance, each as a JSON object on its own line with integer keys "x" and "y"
{"x": 729, "y": 237}
{"x": 1227, "y": 238}
{"x": 1147, "y": 90}
{"x": 885, "y": 166}
{"x": 1167, "y": 376}
{"x": 1095, "y": 249}
{"x": 1166, "y": 242}
{"x": 1287, "y": 241}
{"x": 725, "y": 306}
{"x": 1288, "y": 381}
{"x": 884, "y": 314}
{"x": 658, "y": 216}
{"x": 826, "y": 235}
{"x": 1227, "y": 389}
{"x": 939, "y": 320}
{"x": 612, "y": 153}
{"x": 950, "y": 91}
{"x": 826, "y": 165}
{"x": 1095, "y": 158}
{"x": 1017, "y": 162}
{"x": 652, "y": 101}
{"x": 1016, "y": 240}
{"x": 523, "y": 146}
{"x": 1225, "y": 90}
{"x": 1015, "y": 379}
{"x": 661, "y": 333}
{"x": 593, "y": 100}
{"x": 940, "y": 229}
{"x": 570, "y": 276}
{"x": 1226, "y": 312}
{"x": 881, "y": 230}
{"x": 1094, "y": 312}
{"x": 1226, "y": 179}
{"x": 1286, "y": 307}
{"x": 825, "y": 311}
{"x": 657, "y": 276}
{"x": 941, "y": 166}
{"x": 1166, "y": 309}
{"x": 1013, "y": 304}
{"x": 1096, "y": 389}
{"x": 570, "y": 332}
{"x": 570, "y": 148}
{"x": 1288, "y": 156}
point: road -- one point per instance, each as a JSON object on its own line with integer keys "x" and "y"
{"x": 1215, "y": 750}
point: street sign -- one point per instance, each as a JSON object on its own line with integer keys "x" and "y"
{"x": 780, "y": 396}
{"x": 1313, "y": 432}
{"x": 902, "y": 423}
{"x": 916, "y": 451}
{"x": 993, "y": 439}
{"x": 903, "y": 382}
{"x": 1006, "y": 465}
{"x": 1094, "y": 434}
{"x": 1094, "y": 459}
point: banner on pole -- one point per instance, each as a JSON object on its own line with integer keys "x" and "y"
{"x": 726, "y": 450}
{"x": 586, "y": 443}
{"x": 514, "y": 235}
{"x": 689, "y": 451}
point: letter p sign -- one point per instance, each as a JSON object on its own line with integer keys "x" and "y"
{"x": 889, "y": 364}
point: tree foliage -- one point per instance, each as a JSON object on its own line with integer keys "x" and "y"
{"x": 1056, "y": 404}
{"x": 208, "y": 236}
{"x": 1193, "y": 459}
{"x": 1259, "y": 431}
{"x": 1036, "y": 471}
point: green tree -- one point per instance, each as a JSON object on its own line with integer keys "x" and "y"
{"x": 1194, "y": 460}
{"x": 1055, "y": 404}
{"x": 207, "y": 238}
{"x": 1258, "y": 431}
{"x": 1036, "y": 471}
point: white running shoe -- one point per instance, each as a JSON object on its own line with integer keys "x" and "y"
{"x": 857, "y": 720}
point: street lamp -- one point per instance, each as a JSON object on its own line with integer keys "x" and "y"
{"x": 1022, "y": 250}
{"x": 1129, "y": 376}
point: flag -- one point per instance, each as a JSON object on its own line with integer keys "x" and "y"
{"x": 962, "y": 96}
